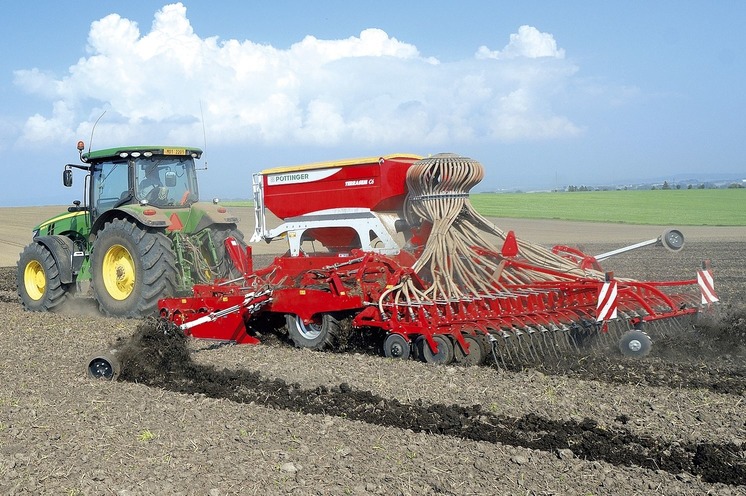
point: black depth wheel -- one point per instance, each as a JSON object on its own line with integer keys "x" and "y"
{"x": 635, "y": 344}
{"x": 477, "y": 351}
{"x": 396, "y": 346}
{"x": 103, "y": 367}
{"x": 444, "y": 356}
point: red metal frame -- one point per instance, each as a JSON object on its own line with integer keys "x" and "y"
{"x": 360, "y": 284}
{"x": 357, "y": 284}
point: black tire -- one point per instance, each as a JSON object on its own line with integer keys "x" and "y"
{"x": 396, "y": 346}
{"x": 444, "y": 356}
{"x": 635, "y": 343}
{"x": 477, "y": 351}
{"x": 38, "y": 279}
{"x": 223, "y": 266}
{"x": 104, "y": 366}
{"x": 132, "y": 267}
{"x": 318, "y": 335}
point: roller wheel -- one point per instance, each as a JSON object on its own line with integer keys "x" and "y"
{"x": 223, "y": 265}
{"x": 132, "y": 269}
{"x": 320, "y": 334}
{"x": 635, "y": 343}
{"x": 477, "y": 351}
{"x": 38, "y": 279}
{"x": 396, "y": 346}
{"x": 444, "y": 356}
{"x": 104, "y": 366}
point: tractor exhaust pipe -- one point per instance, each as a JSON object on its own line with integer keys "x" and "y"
{"x": 671, "y": 239}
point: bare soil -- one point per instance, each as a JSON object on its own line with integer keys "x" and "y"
{"x": 195, "y": 417}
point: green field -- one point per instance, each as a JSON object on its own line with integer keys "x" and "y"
{"x": 691, "y": 207}
{"x": 695, "y": 207}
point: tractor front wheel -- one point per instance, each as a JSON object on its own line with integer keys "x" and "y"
{"x": 319, "y": 334}
{"x": 38, "y": 279}
{"x": 133, "y": 268}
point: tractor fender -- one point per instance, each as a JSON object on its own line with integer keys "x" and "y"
{"x": 62, "y": 249}
{"x": 152, "y": 217}
{"x": 212, "y": 214}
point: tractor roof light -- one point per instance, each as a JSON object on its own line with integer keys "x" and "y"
{"x": 147, "y": 154}
{"x": 123, "y": 154}
{"x": 135, "y": 154}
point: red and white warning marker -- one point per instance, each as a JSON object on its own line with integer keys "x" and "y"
{"x": 607, "y": 299}
{"x": 707, "y": 284}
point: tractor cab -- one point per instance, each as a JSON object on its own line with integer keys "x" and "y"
{"x": 158, "y": 176}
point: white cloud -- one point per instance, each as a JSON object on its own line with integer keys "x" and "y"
{"x": 367, "y": 89}
{"x": 529, "y": 42}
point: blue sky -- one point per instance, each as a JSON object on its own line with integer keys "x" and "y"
{"x": 543, "y": 94}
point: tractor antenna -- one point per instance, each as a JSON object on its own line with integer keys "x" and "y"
{"x": 204, "y": 133}
{"x": 90, "y": 142}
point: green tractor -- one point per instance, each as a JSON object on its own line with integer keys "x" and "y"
{"x": 141, "y": 235}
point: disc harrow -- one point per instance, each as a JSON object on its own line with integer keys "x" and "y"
{"x": 447, "y": 293}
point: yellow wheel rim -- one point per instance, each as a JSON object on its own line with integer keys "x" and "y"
{"x": 34, "y": 280}
{"x": 118, "y": 271}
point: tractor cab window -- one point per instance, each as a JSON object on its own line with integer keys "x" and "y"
{"x": 165, "y": 181}
{"x": 110, "y": 185}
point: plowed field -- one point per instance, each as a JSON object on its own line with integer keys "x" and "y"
{"x": 191, "y": 417}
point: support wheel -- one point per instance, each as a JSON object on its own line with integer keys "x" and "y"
{"x": 104, "y": 366}
{"x": 320, "y": 334}
{"x": 477, "y": 351}
{"x": 396, "y": 346}
{"x": 38, "y": 278}
{"x": 635, "y": 344}
{"x": 444, "y": 356}
{"x": 132, "y": 269}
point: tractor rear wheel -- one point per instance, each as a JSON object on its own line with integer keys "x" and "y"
{"x": 322, "y": 333}
{"x": 133, "y": 268}
{"x": 38, "y": 279}
{"x": 224, "y": 267}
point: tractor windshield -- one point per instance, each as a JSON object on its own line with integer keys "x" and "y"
{"x": 166, "y": 181}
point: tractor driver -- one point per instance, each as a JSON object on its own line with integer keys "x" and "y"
{"x": 151, "y": 188}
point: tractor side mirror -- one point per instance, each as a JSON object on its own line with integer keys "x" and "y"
{"x": 170, "y": 179}
{"x": 67, "y": 177}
